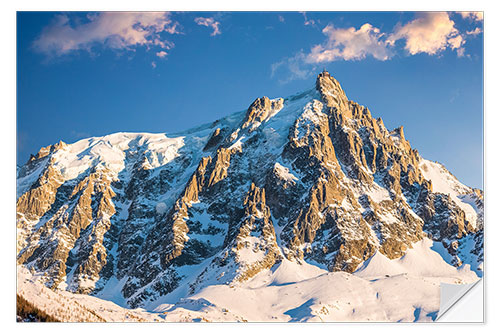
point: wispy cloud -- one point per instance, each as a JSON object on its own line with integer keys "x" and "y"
{"x": 161, "y": 54}
{"x": 474, "y": 32}
{"x": 461, "y": 52}
{"x": 454, "y": 95}
{"x": 350, "y": 44}
{"x": 429, "y": 33}
{"x": 340, "y": 44}
{"x": 475, "y": 16}
{"x": 80, "y": 135}
{"x": 308, "y": 21}
{"x": 114, "y": 30}
{"x": 294, "y": 67}
{"x": 281, "y": 18}
{"x": 209, "y": 22}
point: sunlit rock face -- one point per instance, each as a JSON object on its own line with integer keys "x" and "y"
{"x": 309, "y": 177}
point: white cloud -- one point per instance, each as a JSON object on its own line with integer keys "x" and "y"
{"x": 474, "y": 32}
{"x": 161, "y": 54}
{"x": 114, "y": 30}
{"x": 153, "y": 64}
{"x": 475, "y": 16}
{"x": 294, "y": 68}
{"x": 307, "y": 21}
{"x": 456, "y": 42}
{"x": 350, "y": 44}
{"x": 429, "y": 33}
{"x": 209, "y": 22}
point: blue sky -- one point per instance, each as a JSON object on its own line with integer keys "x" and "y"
{"x": 90, "y": 74}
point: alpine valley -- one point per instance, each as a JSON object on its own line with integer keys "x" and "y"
{"x": 303, "y": 208}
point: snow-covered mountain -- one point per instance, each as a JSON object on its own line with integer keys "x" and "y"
{"x": 303, "y": 208}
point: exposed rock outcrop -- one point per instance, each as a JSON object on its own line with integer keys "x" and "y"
{"x": 311, "y": 177}
{"x": 260, "y": 110}
{"x": 89, "y": 209}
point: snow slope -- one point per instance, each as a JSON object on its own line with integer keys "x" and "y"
{"x": 421, "y": 260}
{"x": 302, "y": 292}
{"x": 290, "y": 291}
{"x": 70, "y": 307}
{"x": 445, "y": 182}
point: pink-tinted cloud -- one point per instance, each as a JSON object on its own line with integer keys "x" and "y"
{"x": 429, "y": 33}
{"x": 115, "y": 30}
{"x": 350, "y": 44}
{"x": 475, "y": 16}
{"x": 209, "y": 22}
{"x": 474, "y": 32}
{"x": 461, "y": 52}
{"x": 161, "y": 54}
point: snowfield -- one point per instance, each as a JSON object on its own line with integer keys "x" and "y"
{"x": 405, "y": 289}
{"x": 111, "y": 150}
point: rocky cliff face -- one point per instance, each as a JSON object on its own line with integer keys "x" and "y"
{"x": 310, "y": 177}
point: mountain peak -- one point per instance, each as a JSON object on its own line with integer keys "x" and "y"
{"x": 309, "y": 177}
{"x": 399, "y": 132}
{"x": 332, "y": 93}
{"x": 44, "y": 151}
{"x": 260, "y": 110}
